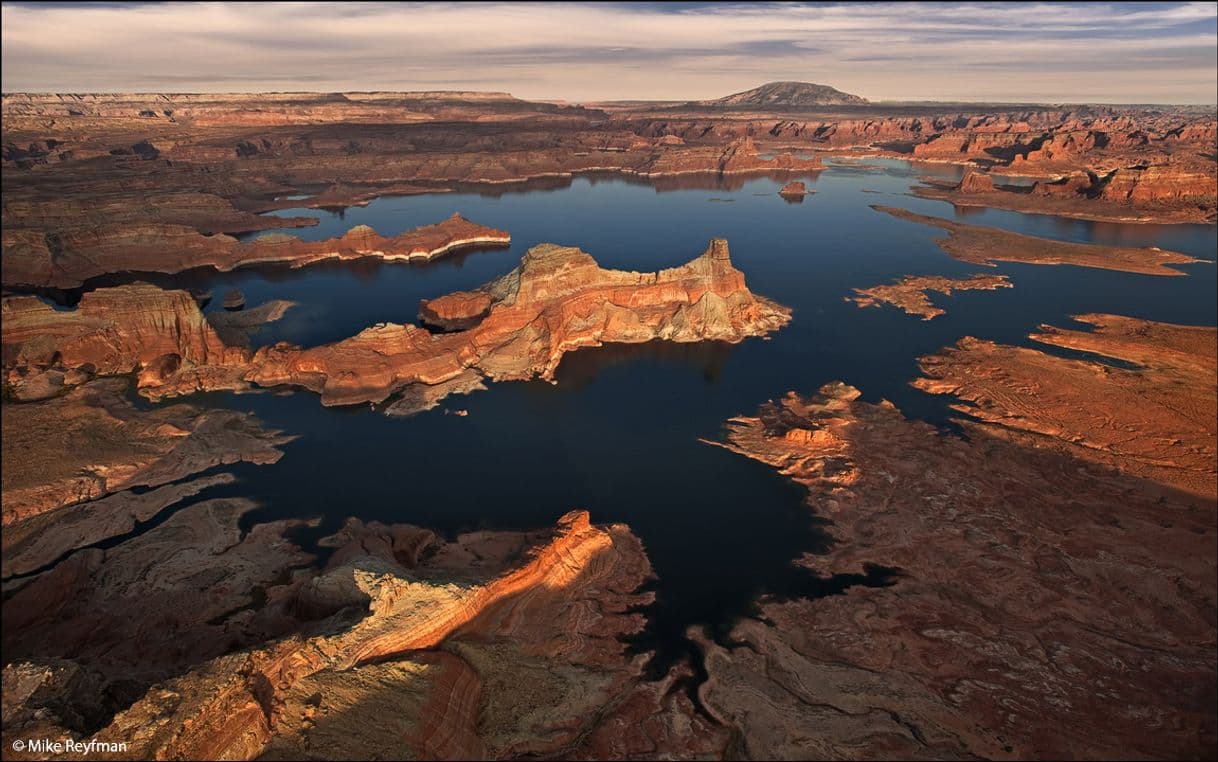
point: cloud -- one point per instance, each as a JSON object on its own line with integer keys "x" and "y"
{"x": 1045, "y": 52}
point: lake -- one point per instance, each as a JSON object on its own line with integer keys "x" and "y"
{"x": 619, "y": 433}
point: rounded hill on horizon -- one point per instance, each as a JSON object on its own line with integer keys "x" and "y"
{"x": 783, "y": 94}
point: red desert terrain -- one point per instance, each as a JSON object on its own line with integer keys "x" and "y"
{"x": 1053, "y": 554}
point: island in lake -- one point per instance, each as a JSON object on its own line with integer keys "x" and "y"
{"x": 438, "y": 424}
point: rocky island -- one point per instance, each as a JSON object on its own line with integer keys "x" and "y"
{"x": 910, "y": 293}
{"x": 250, "y": 512}
{"x": 985, "y": 246}
{"x": 557, "y": 300}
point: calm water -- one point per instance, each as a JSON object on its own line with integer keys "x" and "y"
{"x": 619, "y": 433}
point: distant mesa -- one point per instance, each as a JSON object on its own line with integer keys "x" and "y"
{"x": 788, "y": 95}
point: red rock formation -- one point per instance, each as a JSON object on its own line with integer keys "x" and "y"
{"x": 1161, "y": 183}
{"x": 1027, "y": 582}
{"x": 909, "y": 293}
{"x": 1156, "y": 421}
{"x": 1070, "y": 187}
{"x": 794, "y": 188}
{"x": 456, "y": 311}
{"x": 119, "y": 173}
{"x": 114, "y": 331}
{"x": 559, "y": 299}
{"x": 970, "y": 145}
{"x": 556, "y": 301}
{"x": 186, "y": 590}
{"x": 86, "y": 254}
{"x": 533, "y": 663}
{"x": 984, "y": 246}
{"x": 93, "y": 442}
{"x": 1177, "y": 192}
{"x": 975, "y": 182}
{"x": 738, "y": 157}
{"x": 206, "y": 212}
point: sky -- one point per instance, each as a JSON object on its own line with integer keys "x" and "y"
{"x": 1017, "y": 52}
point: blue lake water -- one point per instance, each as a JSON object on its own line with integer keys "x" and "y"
{"x": 619, "y": 433}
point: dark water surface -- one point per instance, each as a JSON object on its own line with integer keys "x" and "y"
{"x": 618, "y": 435}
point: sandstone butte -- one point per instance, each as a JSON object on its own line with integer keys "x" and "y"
{"x": 556, "y": 301}
{"x": 1067, "y": 537}
{"x": 68, "y": 260}
{"x": 910, "y": 293}
{"x": 492, "y": 645}
{"x": 984, "y": 246}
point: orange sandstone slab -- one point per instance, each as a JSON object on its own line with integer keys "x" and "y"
{"x": 79, "y": 255}
{"x": 1155, "y": 420}
{"x": 1028, "y": 580}
{"x": 984, "y": 246}
{"x": 910, "y": 293}
{"x": 496, "y": 644}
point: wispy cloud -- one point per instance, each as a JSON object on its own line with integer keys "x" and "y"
{"x": 1046, "y": 52}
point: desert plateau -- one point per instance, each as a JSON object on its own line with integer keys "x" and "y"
{"x": 355, "y": 407}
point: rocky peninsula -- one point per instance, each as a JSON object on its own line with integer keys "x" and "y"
{"x": 557, "y": 300}
{"x": 1065, "y": 537}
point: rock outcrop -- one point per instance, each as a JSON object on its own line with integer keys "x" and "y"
{"x": 30, "y": 260}
{"x": 1179, "y": 191}
{"x": 984, "y": 246}
{"x": 740, "y": 156}
{"x": 89, "y": 466}
{"x": 497, "y": 644}
{"x": 793, "y": 189}
{"x": 1154, "y": 420}
{"x": 975, "y": 182}
{"x": 456, "y": 311}
{"x": 154, "y": 333}
{"x": 910, "y": 293}
{"x": 1029, "y": 581}
{"x": 192, "y": 587}
{"x": 558, "y": 300}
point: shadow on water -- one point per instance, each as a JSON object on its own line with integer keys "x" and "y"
{"x": 619, "y": 433}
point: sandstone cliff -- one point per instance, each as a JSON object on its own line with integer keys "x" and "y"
{"x": 496, "y": 644}
{"x": 521, "y": 325}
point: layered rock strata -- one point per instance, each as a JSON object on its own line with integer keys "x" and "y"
{"x": 190, "y": 588}
{"x": 32, "y": 259}
{"x": 119, "y": 182}
{"x": 1165, "y": 193}
{"x": 93, "y": 442}
{"x": 1045, "y": 607}
{"x": 1153, "y": 418}
{"x": 557, "y": 300}
{"x": 497, "y": 644}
